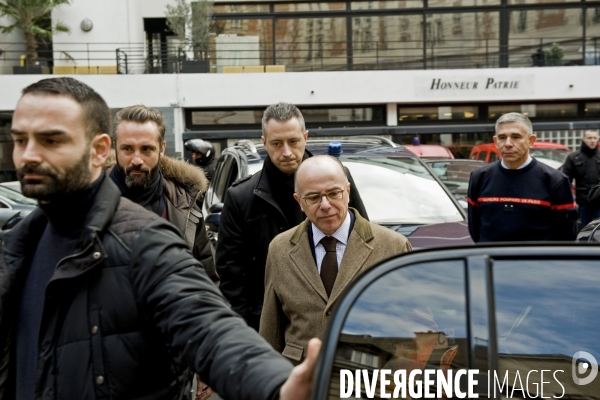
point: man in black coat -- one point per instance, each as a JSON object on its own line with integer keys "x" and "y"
{"x": 102, "y": 298}
{"x": 259, "y": 207}
{"x": 584, "y": 167}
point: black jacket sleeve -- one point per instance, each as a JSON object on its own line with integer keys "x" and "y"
{"x": 230, "y": 257}
{"x": 568, "y": 167}
{"x": 474, "y": 211}
{"x": 564, "y": 218}
{"x": 355, "y": 199}
{"x": 200, "y": 328}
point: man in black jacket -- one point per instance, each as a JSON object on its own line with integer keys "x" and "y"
{"x": 100, "y": 297}
{"x": 518, "y": 198}
{"x": 171, "y": 188}
{"x": 584, "y": 167}
{"x": 259, "y": 207}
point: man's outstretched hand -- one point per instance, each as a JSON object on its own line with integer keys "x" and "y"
{"x": 300, "y": 381}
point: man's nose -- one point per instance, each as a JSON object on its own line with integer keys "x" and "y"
{"x": 286, "y": 151}
{"x": 325, "y": 204}
{"x": 31, "y": 154}
{"x": 508, "y": 142}
{"x": 137, "y": 160}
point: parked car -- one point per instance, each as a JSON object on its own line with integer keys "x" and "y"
{"x": 455, "y": 174}
{"x": 524, "y": 312}
{"x": 399, "y": 191}
{"x": 590, "y": 233}
{"x": 13, "y": 207}
{"x": 14, "y": 185}
{"x": 429, "y": 150}
{"x": 551, "y": 154}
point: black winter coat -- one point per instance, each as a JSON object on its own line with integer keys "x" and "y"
{"x": 586, "y": 172}
{"x": 250, "y": 219}
{"x": 130, "y": 314}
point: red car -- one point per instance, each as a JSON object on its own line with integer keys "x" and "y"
{"x": 551, "y": 154}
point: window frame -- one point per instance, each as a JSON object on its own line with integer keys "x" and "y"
{"x": 479, "y": 262}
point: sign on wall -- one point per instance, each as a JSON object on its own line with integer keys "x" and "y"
{"x": 467, "y": 87}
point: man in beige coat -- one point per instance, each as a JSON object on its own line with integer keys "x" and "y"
{"x": 309, "y": 266}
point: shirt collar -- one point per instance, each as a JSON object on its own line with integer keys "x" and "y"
{"x": 526, "y": 163}
{"x": 341, "y": 234}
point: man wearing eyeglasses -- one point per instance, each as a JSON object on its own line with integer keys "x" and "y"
{"x": 259, "y": 207}
{"x": 309, "y": 266}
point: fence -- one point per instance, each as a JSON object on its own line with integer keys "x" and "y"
{"x": 153, "y": 58}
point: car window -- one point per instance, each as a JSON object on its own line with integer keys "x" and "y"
{"x": 17, "y": 197}
{"x": 410, "y": 318}
{"x": 4, "y": 204}
{"x": 493, "y": 157}
{"x": 545, "y": 312}
{"x": 222, "y": 177}
{"x": 481, "y": 156}
{"x": 398, "y": 190}
{"x": 474, "y": 156}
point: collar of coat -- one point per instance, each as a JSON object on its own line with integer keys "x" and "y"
{"x": 361, "y": 226}
{"x": 180, "y": 172}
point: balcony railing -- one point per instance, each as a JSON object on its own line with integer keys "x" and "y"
{"x": 166, "y": 58}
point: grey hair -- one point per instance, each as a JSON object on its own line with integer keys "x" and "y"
{"x": 518, "y": 118}
{"x": 317, "y": 158}
{"x": 282, "y": 112}
{"x": 590, "y": 130}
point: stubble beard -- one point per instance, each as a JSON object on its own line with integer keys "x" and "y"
{"x": 139, "y": 181}
{"x": 54, "y": 183}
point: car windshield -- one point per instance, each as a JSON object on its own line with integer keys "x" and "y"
{"x": 551, "y": 157}
{"x": 16, "y": 197}
{"x": 399, "y": 190}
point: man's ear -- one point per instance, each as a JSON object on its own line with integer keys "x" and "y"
{"x": 532, "y": 138}
{"x": 306, "y": 135}
{"x": 100, "y": 150}
{"x": 264, "y": 140}
{"x": 299, "y": 200}
{"x": 495, "y": 140}
{"x": 163, "y": 147}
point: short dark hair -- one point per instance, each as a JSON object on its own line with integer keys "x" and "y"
{"x": 142, "y": 114}
{"x": 95, "y": 110}
{"x": 282, "y": 112}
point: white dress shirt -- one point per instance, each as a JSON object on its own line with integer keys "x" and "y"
{"x": 341, "y": 234}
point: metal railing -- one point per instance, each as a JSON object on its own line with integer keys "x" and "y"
{"x": 139, "y": 58}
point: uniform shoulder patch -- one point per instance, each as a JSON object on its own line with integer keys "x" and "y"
{"x": 244, "y": 179}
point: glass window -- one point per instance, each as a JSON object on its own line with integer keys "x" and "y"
{"x": 547, "y": 37}
{"x": 295, "y": 7}
{"x": 378, "y": 5}
{"x": 592, "y": 31}
{"x": 541, "y": 1}
{"x": 240, "y": 8}
{"x": 243, "y": 42}
{"x": 17, "y": 197}
{"x": 482, "y": 155}
{"x": 411, "y": 318}
{"x": 592, "y": 109}
{"x": 401, "y": 191}
{"x": 461, "y": 3}
{"x": 462, "y": 40}
{"x": 563, "y": 110}
{"x": 438, "y": 113}
{"x": 493, "y": 157}
{"x": 364, "y": 114}
{"x": 228, "y": 117}
{"x": 387, "y": 42}
{"x": 546, "y": 313}
{"x": 311, "y": 44}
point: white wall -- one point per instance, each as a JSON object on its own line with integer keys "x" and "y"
{"x": 326, "y": 88}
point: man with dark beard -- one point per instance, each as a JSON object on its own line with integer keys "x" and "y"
{"x": 101, "y": 298}
{"x": 584, "y": 167}
{"x": 171, "y": 188}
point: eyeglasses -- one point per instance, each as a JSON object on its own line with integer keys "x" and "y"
{"x": 314, "y": 199}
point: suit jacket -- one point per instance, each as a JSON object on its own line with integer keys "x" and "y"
{"x": 296, "y": 307}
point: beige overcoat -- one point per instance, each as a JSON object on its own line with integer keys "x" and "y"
{"x": 296, "y": 306}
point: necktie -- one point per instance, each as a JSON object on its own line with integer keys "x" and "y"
{"x": 329, "y": 267}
